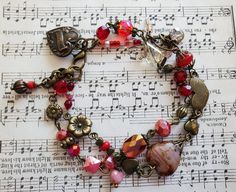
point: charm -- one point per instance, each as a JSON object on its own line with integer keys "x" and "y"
{"x": 165, "y": 156}
{"x": 130, "y": 166}
{"x": 154, "y": 55}
{"x": 54, "y": 111}
{"x": 201, "y": 94}
{"x": 192, "y": 126}
{"x": 177, "y": 35}
{"x": 62, "y": 40}
{"x": 79, "y": 126}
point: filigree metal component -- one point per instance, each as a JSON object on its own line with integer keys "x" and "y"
{"x": 54, "y": 111}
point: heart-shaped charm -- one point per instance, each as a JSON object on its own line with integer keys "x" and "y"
{"x": 192, "y": 126}
{"x": 129, "y": 166}
{"x": 165, "y": 156}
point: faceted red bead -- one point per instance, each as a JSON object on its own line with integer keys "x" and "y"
{"x": 62, "y": 134}
{"x": 102, "y": 32}
{"x": 70, "y": 86}
{"x": 31, "y": 85}
{"x": 73, "y": 150}
{"x": 68, "y": 104}
{"x": 91, "y": 164}
{"x": 105, "y": 146}
{"x": 185, "y": 90}
{"x": 163, "y": 128}
{"x": 114, "y": 44}
{"x": 124, "y": 28}
{"x": 137, "y": 42}
{"x": 180, "y": 76}
{"x": 109, "y": 162}
{"x": 60, "y": 87}
{"x": 184, "y": 59}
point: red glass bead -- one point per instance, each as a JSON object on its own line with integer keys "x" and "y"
{"x": 73, "y": 150}
{"x": 109, "y": 162}
{"x": 185, "y": 90}
{"x": 102, "y": 32}
{"x": 114, "y": 43}
{"x": 163, "y": 128}
{"x": 137, "y": 42}
{"x": 184, "y": 59}
{"x": 31, "y": 85}
{"x": 105, "y": 146}
{"x": 124, "y": 28}
{"x": 60, "y": 87}
{"x": 70, "y": 86}
{"x": 62, "y": 134}
{"x": 68, "y": 104}
{"x": 180, "y": 76}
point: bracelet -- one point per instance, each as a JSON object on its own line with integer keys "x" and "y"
{"x": 164, "y": 157}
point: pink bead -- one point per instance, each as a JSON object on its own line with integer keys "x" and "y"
{"x": 60, "y": 87}
{"x": 62, "y": 134}
{"x": 70, "y": 86}
{"x": 102, "y": 32}
{"x": 114, "y": 44}
{"x": 91, "y": 164}
{"x": 163, "y": 128}
{"x": 124, "y": 28}
{"x": 109, "y": 162}
{"x": 117, "y": 176}
{"x": 68, "y": 104}
{"x": 73, "y": 150}
{"x": 185, "y": 90}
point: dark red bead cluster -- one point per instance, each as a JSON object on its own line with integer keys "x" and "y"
{"x": 183, "y": 60}
{"x": 62, "y": 87}
{"x": 122, "y": 35}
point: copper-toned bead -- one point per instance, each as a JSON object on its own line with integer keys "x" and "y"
{"x": 20, "y": 87}
{"x": 133, "y": 146}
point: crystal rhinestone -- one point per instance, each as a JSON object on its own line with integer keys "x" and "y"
{"x": 154, "y": 55}
{"x": 177, "y": 35}
{"x": 165, "y": 156}
{"x": 102, "y": 32}
{"x": 133, "y": 146}
{"x": 60, "y": 87}
{"x": 163, "y": 128}
{"x": 185, "y": 90}
{"x": 109, "y": 162}
{"x": 117, "y": 176}
{"x": 91, "y": 164}
{"x": 180, "y": 76}
{"x": 62, "y": 134}
{"x": 124, "y": 28}
{"x": 73, "y": 150}
{"x": 184, "y": 59}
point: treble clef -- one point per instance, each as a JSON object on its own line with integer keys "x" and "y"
{"x": 224, "y": 12}
{"x": 229, "y": 45}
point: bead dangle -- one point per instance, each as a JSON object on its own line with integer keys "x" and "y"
{"x": 164, "y": 157}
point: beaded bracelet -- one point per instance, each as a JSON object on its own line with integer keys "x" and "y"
{"x": 164, "y": 157}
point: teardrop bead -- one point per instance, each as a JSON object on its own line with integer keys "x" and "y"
{"x": 165, "y": 156}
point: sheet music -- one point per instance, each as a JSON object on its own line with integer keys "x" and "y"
{"x": 119, "y": 91}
